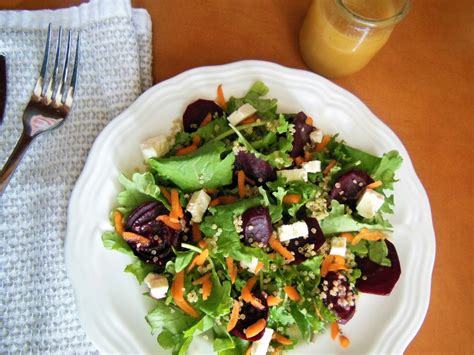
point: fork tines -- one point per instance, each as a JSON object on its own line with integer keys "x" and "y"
{"x": 58, "y": 93}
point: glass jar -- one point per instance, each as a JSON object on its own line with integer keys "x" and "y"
{"x": 339, "y": 37}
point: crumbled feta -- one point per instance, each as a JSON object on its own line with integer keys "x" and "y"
{"x": 198, "y": 204}
{"x": 338, "y": 246}
{"x": 294, "y": 174}
{"x": 243, "y": 112}
{"x": 260, "y": 347}
{"x": 291, "y": 231}
{"x": 158, "y": 285}
{"x": 155, "y": 147}
{"x": 312, "y": 166}
{"x": 251, "y": 266}
{"x": 369, "y": 203}
{"x": 316, "y": 136}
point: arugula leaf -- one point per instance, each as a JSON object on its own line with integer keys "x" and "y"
{"x": 169, "y": 317}
{"x": 266, "y": 141}
{"x": 220, "y": 301}
{"x": 141, "y": 188}
{"x": 202, "y": 168}
{"x": 360, "y": 248}
{"x": 204, "y": 324}
{"x": 183, "y": 258}
{"x": 182, "y": 349}
{"x": 140, "y": 269}
{"x": 212, "y": 129}
{"x": 221, "y": 344}
{"x": 168, "y": 339}
{"x": 378, "y": 252}
{"x": 113, "y": 241}
{"x": 339, "y": 221}
{"x": 301, "y": 321}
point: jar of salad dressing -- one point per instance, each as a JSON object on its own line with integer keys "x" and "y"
{"x": 339, "y": 37}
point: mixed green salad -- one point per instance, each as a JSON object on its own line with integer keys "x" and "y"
{"x": 254, "y": 228}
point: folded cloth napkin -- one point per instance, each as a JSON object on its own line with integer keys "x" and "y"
{"x": 37, "y": 309}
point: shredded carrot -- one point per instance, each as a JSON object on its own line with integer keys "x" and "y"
{"x": 220, "y": 97}
{"x": 215, "y": 202}
{"x": 232, "y": 269}
{"x": 186, "y": 150}
{"x": 249, "y": 120}
{"x": 309, "y": 121}
{"x": 339, "y": 259}
{"x": 167, "y": 220}
{"x": 199, "y": 259}
{"x": 234, "y": 316}
{"x": 299, "y": 160}
{"x": 223, "y": 200}
{"x": 307, "y": 156}
{"x": 249, "y": 350}
{"x": 318, "y": 313}
{"x": 292, "y": 198}
{"x": 196, "y": 140}
{"x": 165, "y": 193}
{"x": 206, "y": 120}
{"x": 344, "y": 341}
{"x": 374, "y": 185}
{"x": 202, "y": 243}
{"x": 202, "y": 279}
{"x": 211, "y": 191}
{"x": 206, "y": 289}
{"x": 292, "y": 293}
{"x": 255, "y": 328}
{"x": 325, "y": 265}
{"x": 349, "y": 237}
{"x": 281, "y": 339}
{"x": 247, "y": 294}
{"x": 258, "y": 267}
{"x": 118, "y": 222}
{"x": 329, "y": 167}
{"x": 336, "y": 267}
{"x": 196, "y": 231}
{"x": 176, "y": 209}
{"x": 135, "y": 238}
{"x": 278, "y": 247}
{"x": 334, "y": 330}
{"x": 177, "y": 291}
{"x": 273, "y": 300}
{"x": 324, "y": 142}
{"x": 368, "y": 235}
{"x": 241, "y": 183}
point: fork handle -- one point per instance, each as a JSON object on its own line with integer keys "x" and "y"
{"x": 14, "y": 159}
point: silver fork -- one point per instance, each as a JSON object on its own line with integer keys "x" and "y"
{"x": 49, "y": 104}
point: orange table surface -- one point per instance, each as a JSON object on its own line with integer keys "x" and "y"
{"x": 420, "y": 84}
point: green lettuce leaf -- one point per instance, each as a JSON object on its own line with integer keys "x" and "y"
{"x": 202, "y": 168}
{"x": 140, "y": 269}
{"x": 385, "y": 170}
{"x": 113, "y": 241}
{"x": 169, "y": 317}
{"x": 266, "y": 108}
{"x": 183, "y": 258}
{"x": 204, "y": 324}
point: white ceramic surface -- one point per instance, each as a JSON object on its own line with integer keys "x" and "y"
{"x": 110, "y": 302}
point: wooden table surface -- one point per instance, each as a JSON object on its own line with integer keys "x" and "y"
{"x": 420, "y": 84}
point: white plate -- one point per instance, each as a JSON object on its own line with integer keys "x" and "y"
{"x": 110, "y": 302}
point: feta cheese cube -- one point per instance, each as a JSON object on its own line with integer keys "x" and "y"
{"x": 338, "y": 246}
{"x": 158, "y": 285}
{"x": 369, "y": 203}
{"x": 316, "y": 136}
{"x": 155, "y": 147}
{"x": 243, "y": 112}
{"x": 291, "y": 231}
{"x": 251, "y": 266}
{"x": 198, "y": 204}
{"x": 312, "y": 166}
{"x": 260, "y": 347}
{"x": 293, "y": 174}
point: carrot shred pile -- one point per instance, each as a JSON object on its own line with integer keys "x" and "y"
{"x": 169, "y": 222}
{"x": 329, "y": 167}
{"x": 232, "y": 269}
{"x": 278, "y": 247}
{"x": 255, "y": 328}
{"x": 220, "y": 98}
{"x": 234, "y": 316}
{"x": 135, "y": 238}
{"x": 206, "y": 120}
{"x": 177, "y": 291}
{"x": 241, "y": 184}
{"x": 332, "y": 263}
{"x": 281, "y": 339}
{"x": 199, "y": 259}
{"x": 374, "y": 185}
{"x": 292, "y": 199}
{"x": 118, "y": 222}
{"x": 368, "y": 235}
{"x": 324, "y": 142}
{"x": 273, "y": 300}
{"x": 292, "y": 293}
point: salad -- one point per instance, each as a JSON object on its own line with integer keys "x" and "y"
{"x": 254, "y": 228}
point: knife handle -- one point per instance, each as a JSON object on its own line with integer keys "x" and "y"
{"x": 14, "y": 159}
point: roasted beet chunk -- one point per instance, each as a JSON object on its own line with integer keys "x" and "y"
{"x": 253, "y": 167}
{"x": 197, "y": 111}
{"x": 257, "y": 225}
{"x": 338, "y": 296}
{"x": 252, "y": 315}
{"x": 378, "y": 279}
{"x": 349, "y": 185}
{"x": 160, "y": 238}
{"x": 306, "y": 247}
{"x": 301, "y": 136}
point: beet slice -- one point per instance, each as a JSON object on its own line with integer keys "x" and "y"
{"x": 197, "y": 111}
{"x": 252, "y": 315}
{"x": 257, "y": 225}
{"x": 378, "y": 279}
{"x": 142, "y": 221}
{"x": 348, "y": 186}
{"x": 253, "y": 167}
{"x": 337, "y": 295}
{"x": 301, "y": 135}
{"x": 305, "y": 248}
